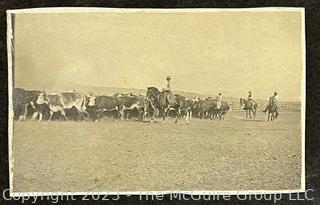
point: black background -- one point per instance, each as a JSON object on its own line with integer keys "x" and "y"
{"x": 312, "y": 13}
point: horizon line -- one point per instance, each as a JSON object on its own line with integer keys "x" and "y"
{"x": 113, "y": 87}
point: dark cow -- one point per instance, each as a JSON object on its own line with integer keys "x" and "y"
{"x": 61, "y": 101}
{"x": 70, "y": 113}
{"x": 185, "y": 108}
{"x": 210, "y": 109}
{"x": 40, "y": 111}
{"x": 221, "y": 113}
{"x": 197, "y": 108}
{"x": 21, "y": 102}
{"x": 99, "y": 105}
{"x": 130, "y": 104}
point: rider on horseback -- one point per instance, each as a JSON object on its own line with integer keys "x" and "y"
{"x": 273, "y": 99}
{"x": 169, "y": 95}
{"x": 168, "y": 83}
{"x": 250, "y": 96}
{"x": 219, "y": 98}
{"x": 250, "y": 100}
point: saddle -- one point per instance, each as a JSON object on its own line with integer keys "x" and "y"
{"x": 248, "y": 105}
{"x": 171, "y": 98}
{"x": 272, "y": 101}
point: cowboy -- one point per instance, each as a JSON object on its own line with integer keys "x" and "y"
{"x": 167, "y": 90}
{"x": 219, "y": 98}
{"x": 275, "y": 99}
{"x": 250, "y": 101}
{"x": 250, "y": 96}
{"x": 276, "y": 96}
{"x": 168, "y": 83}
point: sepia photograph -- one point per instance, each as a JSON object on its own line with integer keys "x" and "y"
{"x": 147, "y": 100}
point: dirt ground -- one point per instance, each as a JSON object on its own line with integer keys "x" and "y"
{"x": 129, "y": 156}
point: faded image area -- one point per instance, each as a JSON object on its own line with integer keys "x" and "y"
{"x": 131, "y": 100}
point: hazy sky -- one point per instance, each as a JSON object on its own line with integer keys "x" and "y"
{"x": 228, "y": 52}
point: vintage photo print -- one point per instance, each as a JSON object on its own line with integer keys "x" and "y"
{"x": 133, "y": 101}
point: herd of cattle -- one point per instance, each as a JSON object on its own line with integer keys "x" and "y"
{"x": 39, "y": 105}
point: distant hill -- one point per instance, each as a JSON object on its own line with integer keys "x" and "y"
{"x": 113, "y": 90}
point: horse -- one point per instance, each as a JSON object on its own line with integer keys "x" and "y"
{"x": 221, "y": 113}
{"x": 214, "y": 111}
{"x": 196, "y": 108}
{"x": 164, "y": 101}
{"x": 250, "y": 107}
{"x": 208, "y": 106}
{"x": 272, "y": 109}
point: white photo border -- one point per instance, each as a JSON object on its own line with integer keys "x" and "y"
{"x": 10, "y": 47}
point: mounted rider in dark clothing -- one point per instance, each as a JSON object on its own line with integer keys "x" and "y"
{"x": 273, "y": 99}
{"x": 250, "y": 98}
